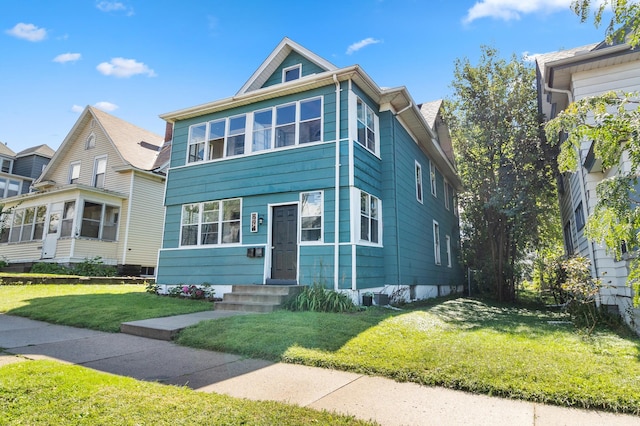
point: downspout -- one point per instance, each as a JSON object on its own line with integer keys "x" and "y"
{"x": 583, "y": 198}
{"x": 336, "y": 238}
{"x": 128, "y": 222}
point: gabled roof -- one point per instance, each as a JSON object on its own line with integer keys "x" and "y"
{"x": 42, "y": 150}
{"x": 274, "y": 60}
{"x": 6, "y": 151}
{"x": 430, "y": 111}
{"x": 137, "y": 147}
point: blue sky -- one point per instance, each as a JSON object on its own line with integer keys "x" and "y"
{"x": 138, "y": 59}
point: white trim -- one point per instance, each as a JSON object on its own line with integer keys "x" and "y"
{"x": 71, "y": 165}
{"x": 447, "y": 239}
{"x": 94, "y": 175}
{"x": 220, "y": 221}
{"x": 419, "y": 182}
{"x": 322, "y": 213}
{"x": 433, "y": 179}
{"x": 437, "y": 256}
{"x": 269, "y": 248}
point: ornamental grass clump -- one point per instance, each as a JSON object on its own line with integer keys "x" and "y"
{"x": 316, "y": 298}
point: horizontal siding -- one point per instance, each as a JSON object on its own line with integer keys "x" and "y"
{"x": 86, "y": 248}
{"x": 21, "y": 252}
{"x": 145, "y": 223}
{"x": 218, "y": 266}
{"x": 623, "y": 77}
{"x": 316, "y": 265}
{"x": 292, "y": 59}
{"x": 298, "y": 169}
{"x": 370, "y": 267}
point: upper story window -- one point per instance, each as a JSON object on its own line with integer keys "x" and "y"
{"x": 448, "y": 242}
{"x": 74, "y": 172}
{"x": 311, "y": 216}
{"x": 369, "y": 218}
{"x": 6, "y": 165}
{"x": 91, "y": 142}
{"x": 366, "y": 126}
{"x": 99, "y": 170}
{"x": 211, "y": 222}
{"x": 447, "y": 195}
{"x": 277, "y": 127}
{"x": 418, "y": 182}
{"x": 292, "y": 73}
{"x": 579, "y": 213}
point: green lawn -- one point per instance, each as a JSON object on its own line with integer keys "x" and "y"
{"x": 502, "y": 350}
{"x": 51, "y": 393}
{"x": 463, "y": 344}
{"x": 99, "y": 307}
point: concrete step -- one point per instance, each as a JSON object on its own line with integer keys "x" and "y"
{"x": 247, "y": 307}
{"x": 271, "y": 299}
{"x": 257, "y": 298}
{"x": 267, "y": 289}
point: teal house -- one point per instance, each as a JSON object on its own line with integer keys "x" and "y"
{"x": 312, "y": 174}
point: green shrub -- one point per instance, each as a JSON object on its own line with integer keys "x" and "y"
{"x": 50, "y": 268}
{"x": 94, "y": 267}
{"x": 316, "y": 298}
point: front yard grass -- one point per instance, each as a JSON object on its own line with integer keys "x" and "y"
{"x": 51, "y": 393}
{"x": 466, "y": 344}
{"x": 99, "y": 307}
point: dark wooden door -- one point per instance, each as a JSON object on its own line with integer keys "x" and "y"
{"x": 285, "y": 243}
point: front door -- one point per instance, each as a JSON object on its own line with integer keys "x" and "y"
{"x": 284, "y": 255}
{"x": 50, "y": 241}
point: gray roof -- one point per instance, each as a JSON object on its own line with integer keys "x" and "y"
{"x": 42, "y": 150}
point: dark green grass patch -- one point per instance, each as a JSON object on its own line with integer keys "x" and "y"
{"x": 99, "y": 307}
{"x": 50, "y": 393}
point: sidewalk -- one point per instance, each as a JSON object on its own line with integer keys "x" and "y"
{"x": 379, "y": 399}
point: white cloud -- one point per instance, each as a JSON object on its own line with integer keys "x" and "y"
{"x": 28, "y": 32}
{"x": 106, "y": 106}
{"x": 360, "y": 44}
{"x": 124, "y": 68}
{"x": 114, "y": 6}
{"x": 508, "y": 10}
{"x": 77, "y": 108}
{"x": 67, "y": 57}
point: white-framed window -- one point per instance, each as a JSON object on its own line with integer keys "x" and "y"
{"x": 9, "y": 187}
{"x": 68, "y": 215}
{"x": 432, "y": 179}
{"x": 370, "y": 223}
{"x": 7, "y": 165}
{"x": 436, "y": 242}
{"x": 91, "y": 142}
{"x": 211, "y": 222}
{"x": 447, "y": 240}
{"x": 419, "y": 182}
{"x": 579, "y": 214}
{"x": 99, "y": 171}
{"x": 291, "y": 73}
{"x": 311, "y": 217}
{"x": 367, "y": 128}
{"x": 74, "y": 172}
{"x": 28, "y": 224}
{"x": 99, "y": 221}
{"x": 280, "y": 126}
{"x": 447, "y": 195}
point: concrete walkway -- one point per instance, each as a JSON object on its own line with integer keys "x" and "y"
{"x": 375, "y": 398}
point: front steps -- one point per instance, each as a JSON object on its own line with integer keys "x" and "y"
{"x": 257, "y": 298}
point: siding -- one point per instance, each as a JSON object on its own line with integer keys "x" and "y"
{"x": 293, "y": 58}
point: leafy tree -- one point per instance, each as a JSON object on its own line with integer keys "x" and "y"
{"x": 505, "y": 165}
{"x": 624, "y": 23}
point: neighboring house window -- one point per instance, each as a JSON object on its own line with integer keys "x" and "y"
{"x": 447, "y": 240}
{"x": 432, "y": 179}
{"x": 99, "y": 169}
{"x": 91, "y": 142}
{"x": 99, "y": 221}
{"x": 28, "y": 224}
{"x": 436, "y": 242}
{"x": 311, "y": 216}
{"x": 9, "y": 187}
{"x": 447, "y": 195}
{"x": 68, "y": 214}
{"x": 418, "y": 182}
{"x": 369, "y": 218}
{"x": 366, "y": 126}
{"x": 568, "y": 238}
{"x": 74, "y": 172}
{"x": 212, "y": 222}
{"x": 6, "y": 165}
{"x": 277, "y": 127}
{"x": 5, "y": 220}
{"x": 291, "y": 73}
{"x": 579, "y": 217}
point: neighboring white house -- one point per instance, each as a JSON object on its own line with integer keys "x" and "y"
{"x": 100, "y": 196}
{"x": 564, "y": 77}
